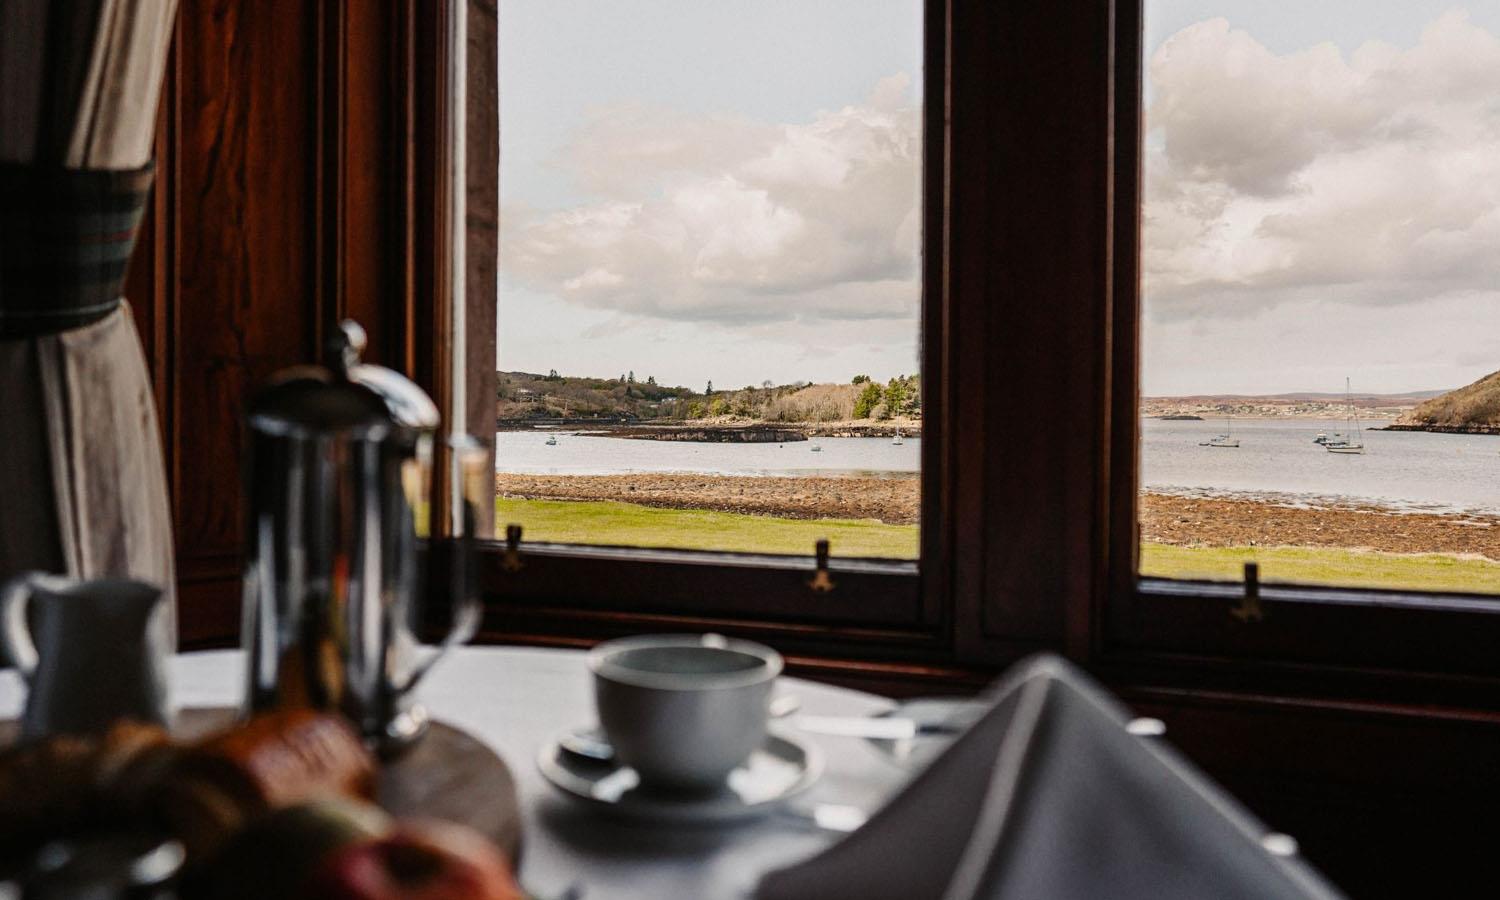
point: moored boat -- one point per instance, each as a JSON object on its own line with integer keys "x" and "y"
{"x": 1226, "y": 440}
{"x": 1351, "y": 443}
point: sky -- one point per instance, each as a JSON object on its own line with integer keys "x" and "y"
{"x": 729, "y": 191}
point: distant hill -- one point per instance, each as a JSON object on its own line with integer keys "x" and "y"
{"x": 527, "y": 397}
{"x": 1470, "y": 410}
{"x": 1409, "y": 398}
{"x": 524, "y": 395}
{"x": 1301, "y": 404}
{"x": 1381, "y": 399}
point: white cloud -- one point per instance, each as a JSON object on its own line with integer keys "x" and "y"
{"x": 1367, "y": 180}
{"x": 718, "y": 219}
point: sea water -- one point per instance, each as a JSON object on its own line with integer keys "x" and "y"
{"x": 527, "y": 452}
{"x": 1276, "y": 460}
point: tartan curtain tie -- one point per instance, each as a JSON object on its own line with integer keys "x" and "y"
{"x": 66, "y": 236}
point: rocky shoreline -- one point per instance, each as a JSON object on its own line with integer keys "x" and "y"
{"x": 1235, "y": 522}
{"x": 742, "y": 434}
{"x": 721, "y": 431}
{"x": 891, "y": 500}
{"x": 1445, "y": 429}
{"x": 1165, "y": 518}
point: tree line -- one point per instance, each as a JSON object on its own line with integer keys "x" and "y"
{"x": 523, "y": 395}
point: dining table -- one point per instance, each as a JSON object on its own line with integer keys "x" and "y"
{"x": 517, "y": 700}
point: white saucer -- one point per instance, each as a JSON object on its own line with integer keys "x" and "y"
{"x": 782, "y": 768}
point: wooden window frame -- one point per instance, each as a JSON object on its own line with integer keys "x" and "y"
{"x": 1380, "y": 645}
{"x": 563, "y": 591}
{"x": 1029, "y": 528}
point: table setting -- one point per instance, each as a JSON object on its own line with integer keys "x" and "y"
{"x": 517, "y": 701}
{"x": 924, "y": 809}
{"x": 337, "y": 754}
{"x": 319, "y": 757}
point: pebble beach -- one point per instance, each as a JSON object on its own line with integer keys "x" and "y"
{"x": 1187, "y": 521}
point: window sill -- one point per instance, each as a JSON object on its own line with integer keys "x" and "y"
{"x": 1385, "y": 646}
{"x": 871, "y": 594}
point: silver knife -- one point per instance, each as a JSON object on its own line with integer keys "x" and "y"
{"x": 881, "y": 728}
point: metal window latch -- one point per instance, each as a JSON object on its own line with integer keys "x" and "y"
{"x": 820, "y": 581}
{"x": 510, "y": 561}
{"x": 1249, "y": 608}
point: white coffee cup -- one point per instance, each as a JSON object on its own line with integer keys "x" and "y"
{"x": 684, "y": 710}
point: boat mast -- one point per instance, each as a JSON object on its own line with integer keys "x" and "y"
{"x": 1353, "y": 410}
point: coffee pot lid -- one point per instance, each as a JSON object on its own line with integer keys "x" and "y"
{"x": 348, "y": 397}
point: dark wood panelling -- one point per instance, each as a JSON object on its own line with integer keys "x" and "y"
{"x": 367, "y": 187}
{"x": 1029, "y": 243}
{"x": 1389, "y": 801}
{"x": 284, "y": 201}
{"x": 483, "y": 232}
{"x": 939, "y": 507}
{"x": 245, "y": 276}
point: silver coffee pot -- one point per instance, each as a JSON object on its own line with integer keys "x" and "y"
{"x": 339, "y": 488}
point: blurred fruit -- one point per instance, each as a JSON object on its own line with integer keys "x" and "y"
{"x": 237, "y": 777}
{"x": 425, "y": 860}
{"x": 276, "y": 854}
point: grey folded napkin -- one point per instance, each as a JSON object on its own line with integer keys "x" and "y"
{"x": 1049, "y": 795}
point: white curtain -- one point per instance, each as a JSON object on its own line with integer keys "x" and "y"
{"x": 83, "y": 489}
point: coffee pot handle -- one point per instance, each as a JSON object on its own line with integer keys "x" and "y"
{"x": 468, "y": 466}
{"x": 15, "y": 634}
{"x": 466, "y": 616}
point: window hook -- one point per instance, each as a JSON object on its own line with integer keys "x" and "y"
{"x": 1249, "y": 608}
{"x": 511, "y": 560}
{"x": 820, "y": 581}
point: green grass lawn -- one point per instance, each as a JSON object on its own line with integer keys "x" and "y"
{"x": 628, "y": 524}
{"x": 588, "y": 522}
{"x": 1319, "y": 565}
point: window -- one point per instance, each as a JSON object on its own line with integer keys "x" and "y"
{"x": 1031, "y": 423}
{"x": 710, "y": 275}
{"x": 1380, "y": 643}
{"x": 1319, "y": 303}
{"x": 803, "y": 141}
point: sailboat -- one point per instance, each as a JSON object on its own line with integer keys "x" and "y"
{"x": 1227, "y": 439}
{"x": 898, "y": 440}
{"x": 1350, "y": 443}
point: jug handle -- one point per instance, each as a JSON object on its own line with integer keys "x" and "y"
{"x": 15, "y": 636}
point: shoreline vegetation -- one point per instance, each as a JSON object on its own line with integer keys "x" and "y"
{"x": 527, "y": 400}
{"x": 1469, "y": 428}
{"x": 1185, "y": 537}
{"x": 1472, "y": 409}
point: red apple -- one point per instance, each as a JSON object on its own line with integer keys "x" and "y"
{"x": 275, "y": 855}
{"x": 422, "y": 860}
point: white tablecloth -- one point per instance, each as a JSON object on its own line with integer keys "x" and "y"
{"x": 516, "y": 699}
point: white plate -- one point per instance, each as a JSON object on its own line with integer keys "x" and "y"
{"x": 782, "y": 768}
